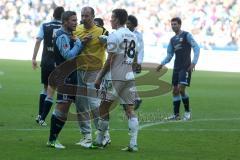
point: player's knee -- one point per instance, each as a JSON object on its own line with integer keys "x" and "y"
{"x": 105, "y": 117}
{"x": 130, "y": 112}
{"x": 175, "y": 91}
{"x": 182, "y": 90}
{"x": 60, "y": 114}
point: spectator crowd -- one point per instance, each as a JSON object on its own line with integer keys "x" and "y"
{"x": 215, "y": 24}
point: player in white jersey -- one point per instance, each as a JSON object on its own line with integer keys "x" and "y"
{"x": 119, "y": 77}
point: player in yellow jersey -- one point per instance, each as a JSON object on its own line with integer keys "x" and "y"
{"x": 90, "y": 63}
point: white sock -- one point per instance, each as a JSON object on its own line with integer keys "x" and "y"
{"x": 88, "y": 136}
{"x": 133, "y": 126}
{"x": 102, "y": 127}
{"x": 107, "y": 134}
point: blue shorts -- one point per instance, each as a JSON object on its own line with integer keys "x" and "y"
{"x": 181, "y": 77}
{"x": 63, "y": 97}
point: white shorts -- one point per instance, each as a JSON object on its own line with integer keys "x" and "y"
{"x": 125, "y": 91}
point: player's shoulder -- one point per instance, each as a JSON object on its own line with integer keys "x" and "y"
{"x": 46, "y": 22}
{"x": 123, "y": 31}
{"x": 186, "y": 33}
{"x": 79, "y": 30}
{"x": 49, "y": 23}
{"x": 104, "y": 31}
{"x": 100, "y": 29}
{"x": 60, "y": 33}
{"x": 79, "y": 27}
{"x": 112, "y": 36}
{"x": 115, "y": 35}
{"x": 137, "y": 32}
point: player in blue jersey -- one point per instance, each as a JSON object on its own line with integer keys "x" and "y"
{"x": 47, "y": 62}
{"x": 66, "y": 47}
{"x": 181, "y": 45}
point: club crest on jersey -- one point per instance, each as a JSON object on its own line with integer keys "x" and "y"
{"x": 181, "y": 39}
{"x": 65, "y": 46}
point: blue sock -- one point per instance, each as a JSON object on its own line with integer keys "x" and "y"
{"x": 56, "y": 127}
{"x": 46, "y": 107}
{"x": 185, "y": 100}
{"x": 41, "y": 101}
{"x": 176, "y": 105}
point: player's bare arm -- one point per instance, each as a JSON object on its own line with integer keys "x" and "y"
{"x": 35, "y": 52}
{"x": 159, "y": 67}
{"x": 105, "y": 69}
{"x": 192, "y": 67}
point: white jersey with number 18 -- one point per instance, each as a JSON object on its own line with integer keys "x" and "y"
{"x": 121, "y": 43}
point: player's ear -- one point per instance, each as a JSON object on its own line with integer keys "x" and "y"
{"x": 117, "y": 20}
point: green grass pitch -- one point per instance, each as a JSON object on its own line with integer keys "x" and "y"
{"x": 212, "y": 134}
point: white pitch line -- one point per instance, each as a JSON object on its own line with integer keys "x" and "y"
{"x": 125, "y": 130}
{"x": 193, "y": 130}
{"x": 181, "y": 121}
{"x": 145, "y": 126}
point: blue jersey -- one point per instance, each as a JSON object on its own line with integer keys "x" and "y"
{"x": 65, "y": 47}
{"x": 181, "y": 45}
{"x": 46, "y": 34}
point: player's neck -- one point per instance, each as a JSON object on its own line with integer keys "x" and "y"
{"x": 119, "y": 26}
{"x": 88, "y": 26}
{"x": 67, "y": 30}
{"x": 178, "y": 32}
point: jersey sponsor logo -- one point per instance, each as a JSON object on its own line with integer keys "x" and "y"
{"x": 50, "y": 49}
{"x": 178, "y": 47}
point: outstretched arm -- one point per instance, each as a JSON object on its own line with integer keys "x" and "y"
{"x": 167, "y": 59}
{"x": 63, "y": 43}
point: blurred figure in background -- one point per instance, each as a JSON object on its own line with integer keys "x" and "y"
{"x": 132, "y": 24}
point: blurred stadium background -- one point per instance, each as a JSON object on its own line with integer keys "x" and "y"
{"x": 212, "y": 134}
{"x": 215, "y": 24}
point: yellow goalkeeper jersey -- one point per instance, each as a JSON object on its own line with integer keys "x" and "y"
{"x": 93, "y": 55}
